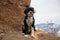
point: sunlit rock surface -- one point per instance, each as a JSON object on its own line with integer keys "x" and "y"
{"x": 12, "y": 14}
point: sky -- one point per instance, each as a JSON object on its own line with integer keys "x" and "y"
{"x": 46, "y": 11}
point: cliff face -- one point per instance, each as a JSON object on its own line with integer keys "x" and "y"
{"x": 12, "y": 14}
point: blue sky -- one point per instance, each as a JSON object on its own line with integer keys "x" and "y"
{"x": 46, "y": 10}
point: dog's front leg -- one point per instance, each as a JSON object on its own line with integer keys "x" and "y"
{"x": 32, "y": 32}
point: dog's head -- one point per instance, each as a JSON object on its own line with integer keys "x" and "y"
{"x": 29, "y": 11}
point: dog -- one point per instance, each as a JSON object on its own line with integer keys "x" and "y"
{"x": 29, "y": 27}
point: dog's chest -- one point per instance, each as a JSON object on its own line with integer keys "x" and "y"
{"x": 29, "y": 21}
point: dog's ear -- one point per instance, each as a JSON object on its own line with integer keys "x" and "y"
{"x": 26, "y": 11}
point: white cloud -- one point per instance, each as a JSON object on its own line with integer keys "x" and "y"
{"x": 46, "y": 10}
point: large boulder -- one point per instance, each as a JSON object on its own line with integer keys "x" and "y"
{"x": 12, "y": 14}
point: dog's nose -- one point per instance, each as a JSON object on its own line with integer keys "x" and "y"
{"x": 30, "y": 12}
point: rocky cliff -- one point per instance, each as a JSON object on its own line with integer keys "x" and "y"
{"x": 12, "y": 14}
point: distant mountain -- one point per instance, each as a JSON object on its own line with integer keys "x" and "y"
{"x": 49, "y": 27}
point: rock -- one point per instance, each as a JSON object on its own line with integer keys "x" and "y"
{"x": 12, "y": 14}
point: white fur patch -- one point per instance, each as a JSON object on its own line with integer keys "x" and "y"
{"x": 29, "y": 21}
{"x": 32, "y": 31}
{"x": 29, "y": 12}
{"x": 26, "y": 35}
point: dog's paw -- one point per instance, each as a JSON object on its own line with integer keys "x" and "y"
{"x": 26, "y": 35}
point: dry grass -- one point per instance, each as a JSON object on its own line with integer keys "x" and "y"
{"x": 39, "y": 35}
{"x": 46, "y": 36}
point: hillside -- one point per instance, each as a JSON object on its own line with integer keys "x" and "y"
{"x": 49, "y": 27}
{"x": 46, "y": 36}
{"x": 39, "y": 35}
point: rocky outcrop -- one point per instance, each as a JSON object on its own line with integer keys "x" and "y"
{"x": 12, "y": 14}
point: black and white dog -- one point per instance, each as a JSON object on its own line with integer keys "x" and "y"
{"x": 29, "y": 21}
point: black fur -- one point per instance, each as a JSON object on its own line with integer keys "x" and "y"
{"x": 25, "y": 27}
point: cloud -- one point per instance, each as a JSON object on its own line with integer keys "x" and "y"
{"x": 46, "y": 10}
